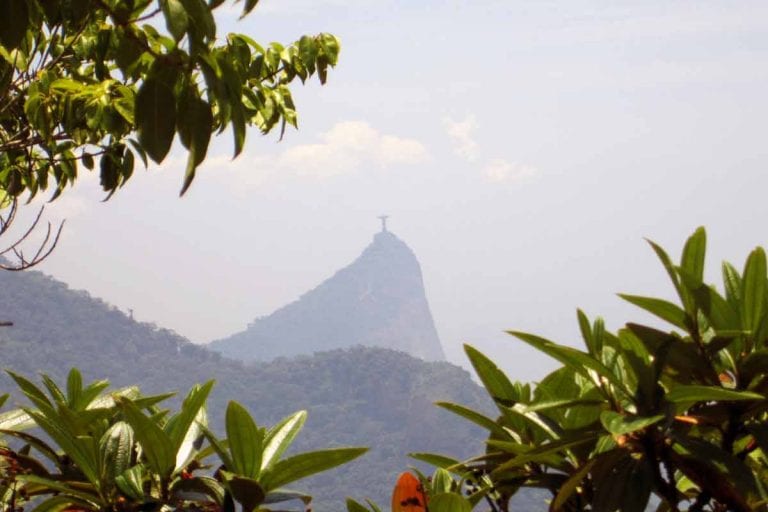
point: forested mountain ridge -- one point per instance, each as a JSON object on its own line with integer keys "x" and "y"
{"x": 356, "y": 396}
{"x": 378, "y": 300}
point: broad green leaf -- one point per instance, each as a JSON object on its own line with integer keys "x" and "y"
{"x": 74, "y": 387}
{"x": 198, "y": 121}
{"x": 16, "y": 419}
{"x": 201, "y": 17}
{"x": 732, "y": 284}
{"x": 449, "y": 502}
{"x": 176, "y": 19}
{"x": 753, "y": 290}
{"x": 661, "y": 308}
{"x": 91, "y": 498}
{"x": 246, "y": 491}
{"x": 185, "y": 431}
{"x": 35, "y": 442}
{"x": 719, "y": 312}
{"x": 157, "y": 447}
{"x": 130, "y": 482}
{"x": 495, "y": 381}
{"x": 442, "y": 481}
{"x": 245, "y": 441}
{"x": 155, "y": 115}
{"x": 694, "y": 252}
{"x": 306, "y": 464}
{"x": 619, "y": 424}
{"x": 280, "y": 437}
{"x": 79, "y": 449}
{"x": 30, "y": 390}
{"x": 696, "y": 393}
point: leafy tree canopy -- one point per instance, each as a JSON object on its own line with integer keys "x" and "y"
{"x": 100, "y": 82}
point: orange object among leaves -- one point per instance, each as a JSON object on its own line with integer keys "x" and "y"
{"x": 408, "y": 495}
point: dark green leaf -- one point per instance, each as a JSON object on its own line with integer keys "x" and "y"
{"x": 695, "y": 393}
{"x": 245, "y": 441}
{"x": 175, "y": 17}
{"x": 754, "y": 290}
{"x": 661, "y": 308}
{"x": 495, "y": 381}
{"x": 130, "y": 482}
{"x": 249, "y": 5}
{"x": 155, "y": 118}
{"x": 14, "y": 21}
{"x": 157, "y": 446}
{"x": 247, "y": 492}
{"x": 693, "y": 254}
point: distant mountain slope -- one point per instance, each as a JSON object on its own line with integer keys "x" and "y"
{"x": 378, "y": 301}
{"x": 356, "y": 396}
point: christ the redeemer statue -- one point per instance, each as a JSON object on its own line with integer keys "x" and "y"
{"x": 383, "y": 222}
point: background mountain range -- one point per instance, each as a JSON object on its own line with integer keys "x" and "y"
{"x": 355, "y": 395}
{"x": 377, "y": 301}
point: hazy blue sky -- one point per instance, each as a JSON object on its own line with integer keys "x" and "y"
{"x": 522, "y": 148}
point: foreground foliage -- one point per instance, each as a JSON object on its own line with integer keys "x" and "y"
{"x": 106, "y": 81}
{"x": 679, "y": 415}
{"x": 120, "y": 451}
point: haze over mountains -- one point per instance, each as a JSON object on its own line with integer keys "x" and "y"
{"x": 360, "y": 396}
{"x": 378, "y": 301}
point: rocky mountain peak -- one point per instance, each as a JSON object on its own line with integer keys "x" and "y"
{"x": 378, "y": 300}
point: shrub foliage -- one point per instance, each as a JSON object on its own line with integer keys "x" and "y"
{"x": 677, "y": 414}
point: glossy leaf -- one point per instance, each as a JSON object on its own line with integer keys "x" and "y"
{"x": 280, "y": 437}
{"x": 494, "y": 380}
{"x": 307, "y": 464}
{"x": 245, "y": 441}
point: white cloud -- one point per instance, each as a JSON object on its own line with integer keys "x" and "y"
{"x": 346, "y": 147}
{"x": 461, "y": 134}
{"x": 499, "y": 170}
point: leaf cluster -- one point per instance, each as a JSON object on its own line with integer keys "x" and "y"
{"x": 121, "y": 451}
{"x": 680, "y": 415}
{"x": 104, "y": 82}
